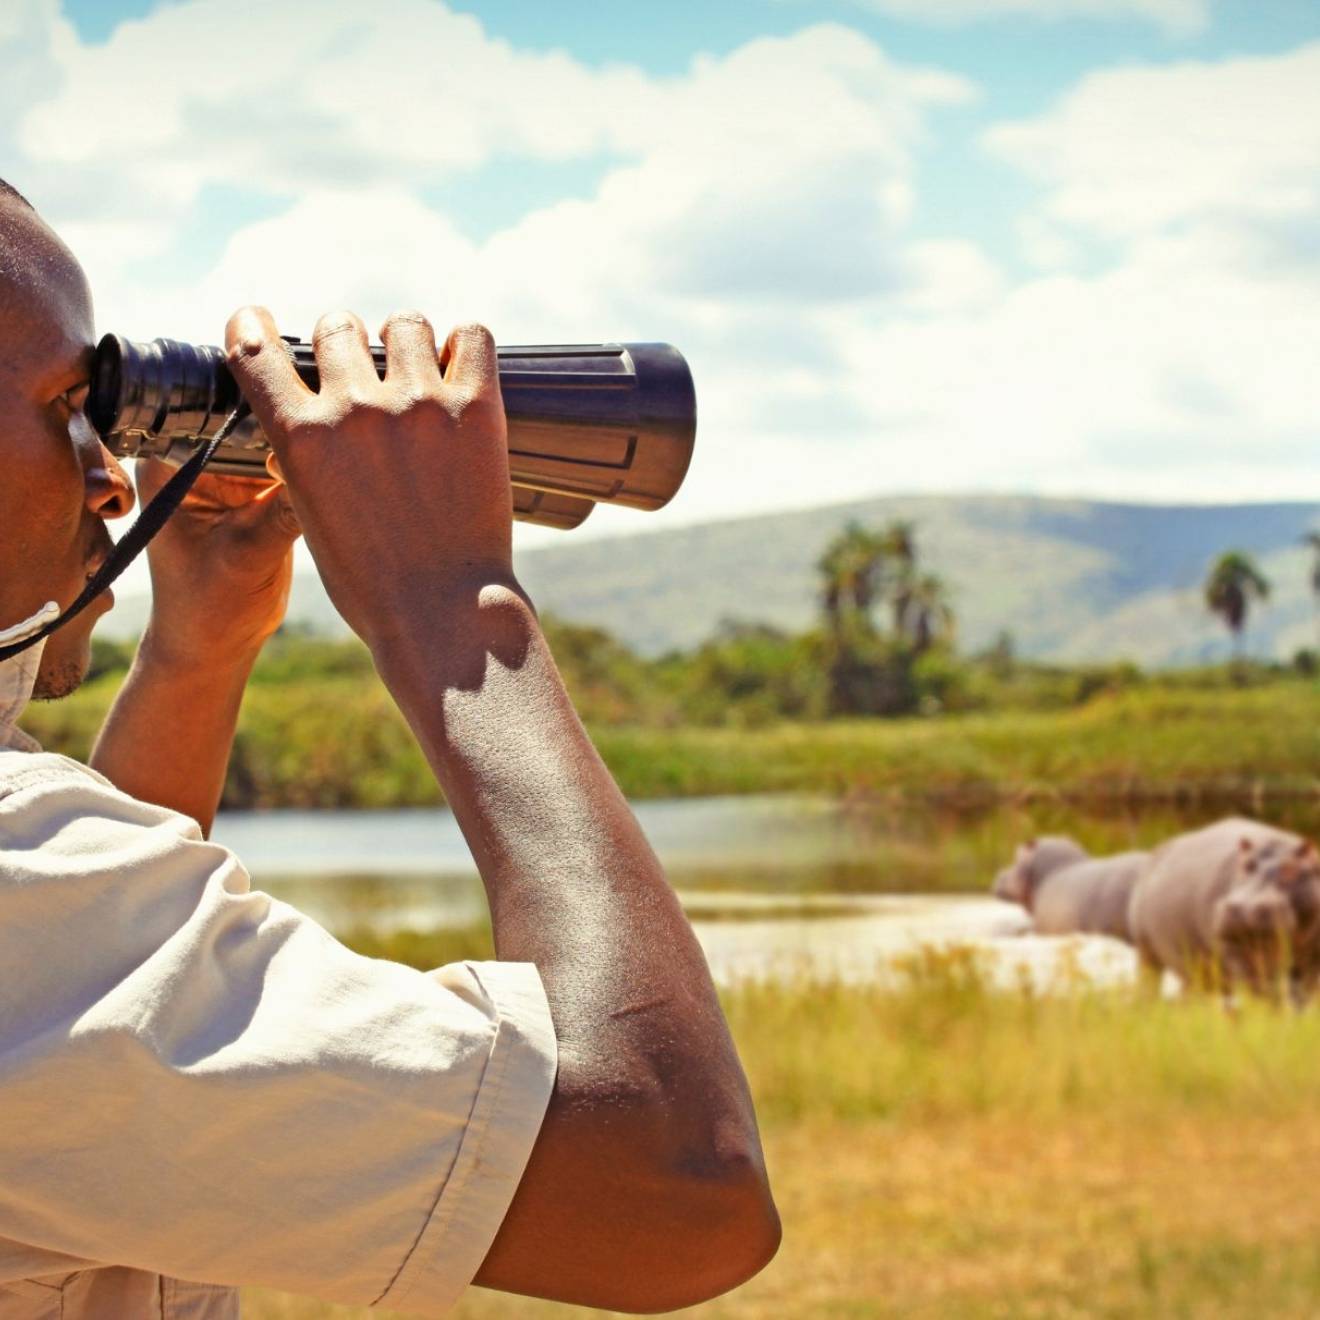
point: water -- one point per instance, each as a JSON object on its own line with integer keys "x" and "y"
{"x": 773, "y": 885}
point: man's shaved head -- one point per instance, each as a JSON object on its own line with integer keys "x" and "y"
{"x": 60, "y": 484}
{"x": 31, "y": 254}
{"x": 9, "y": 193}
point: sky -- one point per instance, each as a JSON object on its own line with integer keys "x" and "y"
{"x": 1063, "y": 247}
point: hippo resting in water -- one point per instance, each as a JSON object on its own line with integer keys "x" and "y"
{"x": 1067, "y": 891}
{"x": 1235, "y": 903}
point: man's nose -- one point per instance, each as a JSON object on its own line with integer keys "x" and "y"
{"x": 109, "y": 493}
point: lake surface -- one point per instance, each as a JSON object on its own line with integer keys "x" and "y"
{"x": 774, "y": 885}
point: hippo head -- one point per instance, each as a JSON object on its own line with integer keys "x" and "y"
{"x": 1032, "y": 862}
{"x": 1011, "y": 883}
{"x": 1268, "y": 924}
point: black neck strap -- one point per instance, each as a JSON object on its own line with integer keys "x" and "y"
{"x": 135, "y": 540}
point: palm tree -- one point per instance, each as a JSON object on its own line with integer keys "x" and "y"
{"x": 850, "y": 571}
{"x": 1312, "y": 539}
{"x": 1233, "y": 582}
{"x": 898, "y": 541}
{"x": 928, "y": 615}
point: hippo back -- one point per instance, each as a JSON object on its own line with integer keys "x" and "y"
{"x": 1090, "y": 897}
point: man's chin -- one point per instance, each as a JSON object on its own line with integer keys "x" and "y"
{"x": 58, "y": 679}
{"x": 68, "y": 654}
{"x": 64, "y": 662}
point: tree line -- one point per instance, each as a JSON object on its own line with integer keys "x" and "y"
{"x": 883, "y": 643}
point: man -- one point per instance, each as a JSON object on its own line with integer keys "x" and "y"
{"x": 200, "y": 1088}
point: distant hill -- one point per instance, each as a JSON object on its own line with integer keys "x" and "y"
{"x": 1069, "y": 579}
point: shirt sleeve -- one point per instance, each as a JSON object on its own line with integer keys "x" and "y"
{"x": 199, "y": 1081}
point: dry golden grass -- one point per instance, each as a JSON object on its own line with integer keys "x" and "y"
{"x": 942, "y": 1150}
{"x": 999, "y": 1217}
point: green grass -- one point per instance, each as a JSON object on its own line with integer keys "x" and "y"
{"x": 944, "y": 1043}
{"x": 940, "y": 1149}
{"x": 338, "y": 742}
{"x": 1148, "y": 745}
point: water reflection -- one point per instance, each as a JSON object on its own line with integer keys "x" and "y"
{"x": 769, "y": 881}
{"x": 880, "y": 938}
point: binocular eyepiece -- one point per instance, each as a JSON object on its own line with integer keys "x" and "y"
{"x": 588, "y": 423}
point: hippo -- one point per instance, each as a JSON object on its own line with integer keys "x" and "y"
{"x": 1236, "y": 903}
{"x": 1067, "y": 891}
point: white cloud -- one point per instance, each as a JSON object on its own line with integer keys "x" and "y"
{"x": 1133, "y": 152}
{"x": 759, "y": 212}
{"x": 1178, "y": 17}
{"x": 328, "y": 94}
{"x": 749, "y": 196}
{"x": 335, "y": 95}
{"x": 1148, "y": 381}
{"x": 781, "y": 171}
{"x": 1168, "y": 350}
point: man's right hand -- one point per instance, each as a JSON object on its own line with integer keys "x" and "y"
{"x": 402, "y": 485}
{"x": 646, "y": 1188}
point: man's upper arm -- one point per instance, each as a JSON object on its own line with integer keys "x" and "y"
{"x": 198, "y": 1080}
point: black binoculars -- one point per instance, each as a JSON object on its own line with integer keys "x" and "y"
{"x": 588, "y": 423}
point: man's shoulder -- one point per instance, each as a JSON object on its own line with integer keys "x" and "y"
{"x": 21, "y": 770}
{"x": 59, "y": 807}
{"x": 45, "y": 786}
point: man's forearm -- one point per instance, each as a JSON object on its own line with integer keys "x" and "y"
{"x": 645, "y": 1189}
{"x": 169, "y": 732}
{"x": 575, "y": 888}
{"x": 572, "y": 881}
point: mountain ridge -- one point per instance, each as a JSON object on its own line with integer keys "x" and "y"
{"x": 1069, "y": 579}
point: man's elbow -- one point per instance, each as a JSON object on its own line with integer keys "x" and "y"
{"x": 719, "y": 1229}
{"x": 743, "y": 1244}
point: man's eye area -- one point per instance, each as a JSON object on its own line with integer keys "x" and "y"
{"x": 76, "y": 396}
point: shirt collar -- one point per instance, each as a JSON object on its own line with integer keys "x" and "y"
{"x": 18, "y": 676}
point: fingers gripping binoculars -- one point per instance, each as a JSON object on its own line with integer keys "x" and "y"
{"x": 588, "y": 423}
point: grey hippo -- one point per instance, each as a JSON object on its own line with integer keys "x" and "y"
{"x": 1067, "y": 891}
{"x": 1236, "y": 903}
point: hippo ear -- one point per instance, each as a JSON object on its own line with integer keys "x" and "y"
{"x": 1245, "y": 844}
{"x": 1303, "y": 847}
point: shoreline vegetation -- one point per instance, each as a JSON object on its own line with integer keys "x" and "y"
{"x": 874, "y": 701}
{"x": 318, "y": 730}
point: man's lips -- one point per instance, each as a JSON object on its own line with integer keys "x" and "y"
{"x": 97, "y": 554}
{"x": 94, "y": 567}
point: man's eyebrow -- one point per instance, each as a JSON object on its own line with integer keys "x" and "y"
{"x": 72, "y": 375}
{"x": 66, "y": 383}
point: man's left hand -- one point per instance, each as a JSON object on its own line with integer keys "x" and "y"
{"x": 221, "y": 567}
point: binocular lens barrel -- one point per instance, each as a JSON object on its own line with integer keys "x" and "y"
{"x": 588, "y": 423}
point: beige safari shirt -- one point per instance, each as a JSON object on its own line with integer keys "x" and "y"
{"x": 200, "y": 1088}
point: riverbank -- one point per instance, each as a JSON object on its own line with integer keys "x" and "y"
{"x": 942, "y": 1149}
{"x": 339, "y": 742}
{"x": 1152, "y": 746}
